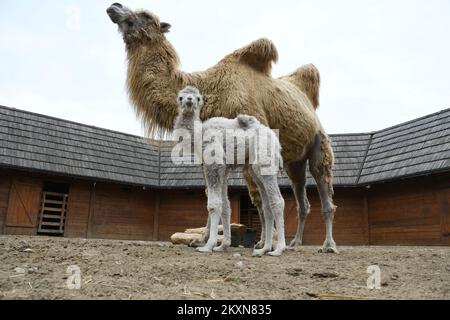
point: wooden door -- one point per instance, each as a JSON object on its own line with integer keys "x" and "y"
{"x": 23, "y": 206}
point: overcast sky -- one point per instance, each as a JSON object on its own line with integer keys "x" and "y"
{"x": 381, "y": 62}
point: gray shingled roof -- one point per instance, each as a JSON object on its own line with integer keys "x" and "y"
{"x": 411, "y": 148}
{"x": 37, "y": 142}
{"x": 33, "y": 141}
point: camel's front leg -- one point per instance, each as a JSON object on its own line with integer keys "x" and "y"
{"x": 214, "y": 212}
{"x": 205, "y": 234}
{"x": 257, "y": 202}
{"x": 215, "y": 178}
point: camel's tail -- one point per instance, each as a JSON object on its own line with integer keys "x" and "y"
{"x": 307, "y": 78}
{"x": 246, "y": 122}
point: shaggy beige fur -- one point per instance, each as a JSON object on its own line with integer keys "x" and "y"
{"x": 240, "y": 83}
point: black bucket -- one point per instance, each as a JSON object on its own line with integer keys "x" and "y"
{"x": 237, "y": 238}
{"x": 249, "y": 238}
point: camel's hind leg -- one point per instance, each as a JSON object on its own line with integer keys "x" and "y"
{"x": 257, "y": 202}
{"x": 320, "y": 166}
{"x": 205, "y": 233}
{"x": 297, "y": 173}
{"x": 276, "y": 205}
{"x": 267, "y": 235}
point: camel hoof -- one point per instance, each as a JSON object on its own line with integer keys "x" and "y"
{"x": 257, "y": 253}
{"x": 329, "y": 247}
{"x": 276, "y": 253}
{"x": 294, "y": 243}
{"x": 204, "y": 249}
{"x": 220, "y": 248}
{"x": 260, "y": 252}
{"x": 259, "y": 245}
{"x": 196, "y": 243}
{"x": 328, "y": 250}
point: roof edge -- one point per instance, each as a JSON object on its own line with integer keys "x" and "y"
{"x": 160, "y": 140}
{"x": 80, "y": 124}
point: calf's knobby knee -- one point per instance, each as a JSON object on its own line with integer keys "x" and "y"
{"x": 277, "y": 204}
{"x": 214, "y": 206}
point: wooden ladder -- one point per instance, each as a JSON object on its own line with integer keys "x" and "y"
{"x": 53, "y": 213}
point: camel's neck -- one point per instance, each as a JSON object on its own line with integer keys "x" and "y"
{"x": 187, "y": 122}
{"x": 153, "y": 84}
{"x": 192, "y": 125}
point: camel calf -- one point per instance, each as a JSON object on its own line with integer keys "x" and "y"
{"x": 261, "y": 154}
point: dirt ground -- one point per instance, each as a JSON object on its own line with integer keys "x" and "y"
{"x": 37, "y": 268}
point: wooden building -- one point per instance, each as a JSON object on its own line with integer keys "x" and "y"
{"x": 63, "y": 178}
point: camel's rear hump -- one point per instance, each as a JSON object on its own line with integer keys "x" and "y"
{"x": 307, "y": 78}
{"x": 259, "y": 55}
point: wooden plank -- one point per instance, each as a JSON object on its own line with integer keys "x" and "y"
{"x": 53, "y": 194}
{"x": 444, "y": 204}
{"x": 52, "y": 224}
{"x": 403, "y": 219}
{"x": 59, "y": 210}
{"x": 366, "y": 222}
{"x": 41, "y": 214}
{"x": 50, "y": 231}
{"x": 410, "y": 241}
{"x": 91, "y": 210}
{"x": 47, "y": 201}
{"x": 63, "y": 215}
{"x": 50, "y": 216}
{"x": 156, "y": 217}
{"x": 5, "y": 186}
{"x": 407, "y": 229}
{"x": 26, "y": 226}
{"x": 235, "y": 208}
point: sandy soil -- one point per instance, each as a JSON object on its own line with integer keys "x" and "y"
{"x": 36, "y": 268}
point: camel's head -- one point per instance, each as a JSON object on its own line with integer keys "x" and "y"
{"x": 190, "y": 101}
{"x": 137, "y": 26}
